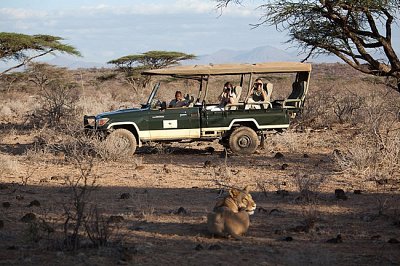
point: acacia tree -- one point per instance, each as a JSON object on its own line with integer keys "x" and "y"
{"x": 133, "y": 65}
{"x": 359, "y": 32}
{"x": 24, "y": 48}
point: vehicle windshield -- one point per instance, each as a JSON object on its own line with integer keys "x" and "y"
{"x": 166, "y": 89}
{"x": 153, "y": 92}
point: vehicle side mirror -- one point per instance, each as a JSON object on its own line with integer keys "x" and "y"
{"x": 163, "y": 106}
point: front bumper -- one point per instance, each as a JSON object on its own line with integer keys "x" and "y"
{"x": 91, "y": 128}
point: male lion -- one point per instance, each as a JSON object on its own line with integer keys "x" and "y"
{"x": 231, "y": 214}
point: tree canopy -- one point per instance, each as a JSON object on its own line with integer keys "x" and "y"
{"x": 24, "y": 48}
{"x": 152, "y": 59}
{"x": 133, "y": 65}
{"x": 359, "y": 32}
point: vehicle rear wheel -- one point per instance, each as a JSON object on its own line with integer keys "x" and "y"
{"x": 121, "y": 141}
{"x": 243, "y": 140}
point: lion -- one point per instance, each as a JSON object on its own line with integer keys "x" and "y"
{"x": 231, "y": 214}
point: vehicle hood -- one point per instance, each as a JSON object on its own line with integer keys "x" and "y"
{"x": 118, "y": 112}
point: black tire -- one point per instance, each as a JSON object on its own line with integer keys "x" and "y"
{"x": 123, "y": 141}
{"x": 243, "y": 140}
{"x": 225, "y": 142}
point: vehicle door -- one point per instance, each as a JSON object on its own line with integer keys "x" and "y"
{"x": 174, "y": 123}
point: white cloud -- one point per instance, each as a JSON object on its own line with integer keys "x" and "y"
{"x": 185, "y": 7}
{"x": 177, "y": 7}
{"x": 116, "y": 28}
{"x": 20, "y": 13}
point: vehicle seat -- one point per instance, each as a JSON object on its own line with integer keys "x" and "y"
{"x": 190, "y": 100}
{"x": 296, "y": 97}
{"x": 238, "y": 92}
{"x": 234, "y": 106}
{"x": 268, "y": 87}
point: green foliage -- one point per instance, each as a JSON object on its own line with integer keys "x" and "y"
{"x": 24, "y": 48}
{"x": 359, "y": 32}
{"x": 16, "y": 45}
{"x": 151, "y": 59}
{"x": 134, "y": 65}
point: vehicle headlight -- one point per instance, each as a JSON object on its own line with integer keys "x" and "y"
{"x": 91, "y": 122}
{"x": 102, "y": 121}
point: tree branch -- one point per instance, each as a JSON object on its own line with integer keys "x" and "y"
{"x": 26, "y": 61}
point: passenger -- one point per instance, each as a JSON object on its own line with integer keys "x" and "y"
{"x": 227, "y": 96}
{"x": 179, "y": 101}
{"x": 259, "y": 94}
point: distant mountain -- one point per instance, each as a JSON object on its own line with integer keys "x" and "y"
{"x": 266, "y": 54}
{"x": 256, "y": 55}
{"x": 74, "y": 63}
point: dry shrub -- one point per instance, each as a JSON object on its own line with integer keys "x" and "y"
{"x": 159, "y": 148}
{"x": 46, "y": 136}
{"x": 316, "y": 112}
{"x": 325, "y": 108}
{"x": 346, "y": 105}
{"x": 99, "y": 102}
{"x": 82, "y": 220}
{"x": 94, "y": 105}
{"x": 262, "y": 186}
{"x": 39, "y": 229}
{"x": 58, "y": 94}
{"x": 49, "y": 142}
{"x": 311, "y": 215}
{"x": 107, "y": 149}
{"x": 374, "y": 154}
{"x": 289, "y": 140}
{"x": 308, "y": 186}
{"x": 28, "y": 173}
{"x": 11, "y": 81}
{"x": 277, "y": 182}
{"x": 222, "y": 175}
{"x": 345, "y": 101}
{"x": 5, "y": 111}
{"x": 97, "y": 228}
{"x": 8, "y": 165}
{"x": 81, "y": 185}
{"x": 15, "y": 106}
{"x": 144, "y": 206}
{"x": 375, "y": 158}
{"x": 58, "y": 104}
{"x": 39, "y": 152}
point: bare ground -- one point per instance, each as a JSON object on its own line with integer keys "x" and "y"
{"x": 286, "y": 229}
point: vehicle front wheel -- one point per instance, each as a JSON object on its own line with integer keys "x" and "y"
{"x": 243, "y": 140}
{"x": 121, "y": 141}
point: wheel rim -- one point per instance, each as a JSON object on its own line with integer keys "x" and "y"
{"x": 244, "y": 141}
{"x": 122, "y": 143}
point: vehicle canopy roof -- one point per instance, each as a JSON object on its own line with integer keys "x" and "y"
{"x": 231, "y": 69}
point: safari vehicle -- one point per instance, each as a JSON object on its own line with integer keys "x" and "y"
{"x": 239, "y": 126}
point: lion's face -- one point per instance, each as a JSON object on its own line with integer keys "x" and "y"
{"x": 238, "y": 200}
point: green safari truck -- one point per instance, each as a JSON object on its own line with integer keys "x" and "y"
{"x": 239, "y": 125}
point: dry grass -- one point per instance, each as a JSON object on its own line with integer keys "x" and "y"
{"x": 79, "y": 182}
{"x": 9, "y": 165}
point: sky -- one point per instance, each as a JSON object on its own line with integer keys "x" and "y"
{"x": 105, "y": 30}
{"x": 108, "y": 29}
